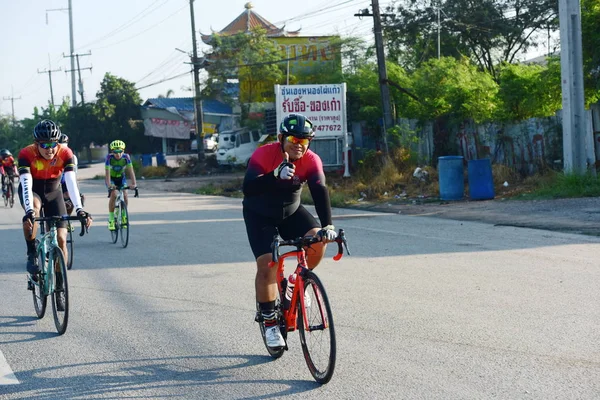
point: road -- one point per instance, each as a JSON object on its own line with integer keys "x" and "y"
{"x": 424, "y": 308}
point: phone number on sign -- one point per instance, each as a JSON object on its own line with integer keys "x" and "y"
{"x": 328, "y": 128}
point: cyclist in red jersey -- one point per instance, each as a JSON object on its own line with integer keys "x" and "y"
{"x": 272, "y": 186}
{"x": 41, "y": 166}
{"x": 7, "y": 167}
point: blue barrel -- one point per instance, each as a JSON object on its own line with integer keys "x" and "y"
{"x": 146, "y": 160}
{"x": 481, "y": 182}
{"x": 452, "y": 183}
{"x": 161, "y": 159}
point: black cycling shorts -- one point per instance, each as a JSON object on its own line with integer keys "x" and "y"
{"x": 119, "y": 182}
{"x": 52, "y": 201}
{"x": 261, "y": 229}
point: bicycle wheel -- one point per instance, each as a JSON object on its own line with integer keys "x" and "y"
{"x": 40, "y": 298}
{"x": 114, "y": 235}
{"x": 275, "y": 353}
{"x": 124, "y": 225}
{"x": 11, "y": 195}
{"x": 318, "y": 338}
{"x": 60, "y": 295}
{"x": 5, "y": 197}
{"x": 70, "y": 245}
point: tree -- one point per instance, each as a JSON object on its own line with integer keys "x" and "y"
{"x": 167, "y": 95}
{"x": 590, "y": 29}
{"x": 249, "y": 57}
{"x": 487, "y": 31}
{"x": 118, "y": 113}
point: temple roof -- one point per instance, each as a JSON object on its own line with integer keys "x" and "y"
{"x": 247, "y": 21}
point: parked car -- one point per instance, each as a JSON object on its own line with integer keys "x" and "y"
{"x": 236, "y": 147}
{"x": 210, "y": 143}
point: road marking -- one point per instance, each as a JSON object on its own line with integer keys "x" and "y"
{"x": 7, "y": 377}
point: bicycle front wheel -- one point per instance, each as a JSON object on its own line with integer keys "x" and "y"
{"x": 70, "y": 245}
{"x": 40, "y": 297}
{"x": 114, "y": 235}
{"x": 317, "y": 335}
{"x": 124, "y": 225}
{"x": 11, "y": 195}
{"x": 60, "y": 295}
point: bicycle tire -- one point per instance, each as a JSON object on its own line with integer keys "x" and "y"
{"x": 70, "y": 246}
{"x": 124, "y": 227}
{"x": 11, "y": 195}
{"x": 114, "y": 235}
{"x": 40, "y": 298}
{"x": 278, "y": 352}
{"x": 5, "y": 197}
{"x": 320, "y": 330}
{"x": 61, "y": 318}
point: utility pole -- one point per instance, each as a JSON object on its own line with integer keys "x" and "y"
{"x": 438, "y": 32}
{"x": 575, "y": 137}
{"x": 383, "y": 86}
{"x": 71, "y": 41}
{"x": 50, "y": 71}
{"x": 12, "y": 99}
{"x": 197, "y": 100}
{"x": 89, "y": 53}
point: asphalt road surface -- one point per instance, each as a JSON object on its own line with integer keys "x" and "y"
{"x": 424, "y": 308}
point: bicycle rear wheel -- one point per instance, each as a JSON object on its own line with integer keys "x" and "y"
{"x": 124, "y": 225}
{"x": 318, "y": 337}
{"x": 114, "y": 235}
{"x": 60, "y": 295}
{"x": 70, "y": 245}
{"x": 278, "y": 352}
{"x": 40, "y": 298}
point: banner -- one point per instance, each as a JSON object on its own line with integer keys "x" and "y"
{"x": 324, "y": 105}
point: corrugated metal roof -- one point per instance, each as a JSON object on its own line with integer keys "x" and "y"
{"x": 187, "y": 104}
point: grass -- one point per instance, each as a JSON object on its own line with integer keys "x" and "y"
{"x": 559, "y": 185}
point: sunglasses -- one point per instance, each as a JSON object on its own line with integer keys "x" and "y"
{"x": 117, "y": 151}
{"x": 295, "y": 140}
{"x": 47, "y": 145}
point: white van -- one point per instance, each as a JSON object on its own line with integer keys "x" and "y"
{"x": 235, "y": 147}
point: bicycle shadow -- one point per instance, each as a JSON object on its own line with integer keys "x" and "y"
{"x": 183, "y": 376}
{"x": 20, "y": 321}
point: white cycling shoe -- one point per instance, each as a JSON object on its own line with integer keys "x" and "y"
{"x": 273, "y": 337}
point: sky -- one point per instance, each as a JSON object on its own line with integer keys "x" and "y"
{"x": 135, "y": 40}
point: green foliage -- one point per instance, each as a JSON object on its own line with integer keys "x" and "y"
{"x": 528, "y": 91}
{"x": 486, "y": 31}
{"x": 590, "y": 34}
{"x": 564, "y": 186}
{"x": 452, "y": 87}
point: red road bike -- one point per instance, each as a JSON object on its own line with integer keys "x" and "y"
{"x": 308, "y": 310}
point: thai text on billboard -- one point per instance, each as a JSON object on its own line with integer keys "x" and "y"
{"x": 324, "y": 105}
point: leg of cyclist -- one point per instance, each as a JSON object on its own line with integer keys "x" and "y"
{"x": 117, "y": 182}
{"x": 29, "y": 232}
{"x": 55, "y": 205}
{"x": 303, "y": 223}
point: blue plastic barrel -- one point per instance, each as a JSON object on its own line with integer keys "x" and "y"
{"x": 481, "y": 182}
{"x": 146, "y": 160}
{"x": 161, "y": 159}
{"x": 452, "y": 184}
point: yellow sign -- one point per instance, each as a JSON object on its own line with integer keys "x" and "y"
{"x": 304, "y": 54}
{"x": 208, "y": 128}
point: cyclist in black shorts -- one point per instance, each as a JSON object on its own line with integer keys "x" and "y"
{"x": 272, "y": 186}
{"x": 41, "y": 166}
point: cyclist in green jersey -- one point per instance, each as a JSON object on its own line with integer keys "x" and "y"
{"x": 118, "y": 165}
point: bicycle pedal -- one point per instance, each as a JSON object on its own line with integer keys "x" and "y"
{"x": 29, "y": 285}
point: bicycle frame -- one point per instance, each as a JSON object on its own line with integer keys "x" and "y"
{"x": 290, "y": 314}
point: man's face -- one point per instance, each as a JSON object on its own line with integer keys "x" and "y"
{"x": 118, "y": 154}
{"x": 294, "y": 146}
{"x": 48, "y": 149}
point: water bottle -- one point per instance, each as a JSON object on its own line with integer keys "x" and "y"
{"x": 289, "y": 290}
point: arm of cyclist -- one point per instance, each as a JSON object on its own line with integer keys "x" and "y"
{"x": 131, "y": 176}
{"x": 320, "y": 195}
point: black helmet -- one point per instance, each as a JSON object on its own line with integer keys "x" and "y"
{"x": 63, "y": 139}
{"x": 297, "y": 125}
{"x": 5, "y": 153}
{"x": 46, "y": 131}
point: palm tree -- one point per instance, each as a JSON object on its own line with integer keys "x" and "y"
{"x": 169, "y": 93}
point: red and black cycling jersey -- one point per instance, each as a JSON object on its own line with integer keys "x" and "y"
{"x": 278, "y": 198}
{"x": 32, "y": 162}
{"x": 8, "y": 162}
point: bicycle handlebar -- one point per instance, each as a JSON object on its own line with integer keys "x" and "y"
{"x": 110, "y": 190}
{"x": 307, "y": 241}
{"x": 55, "y": 219}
